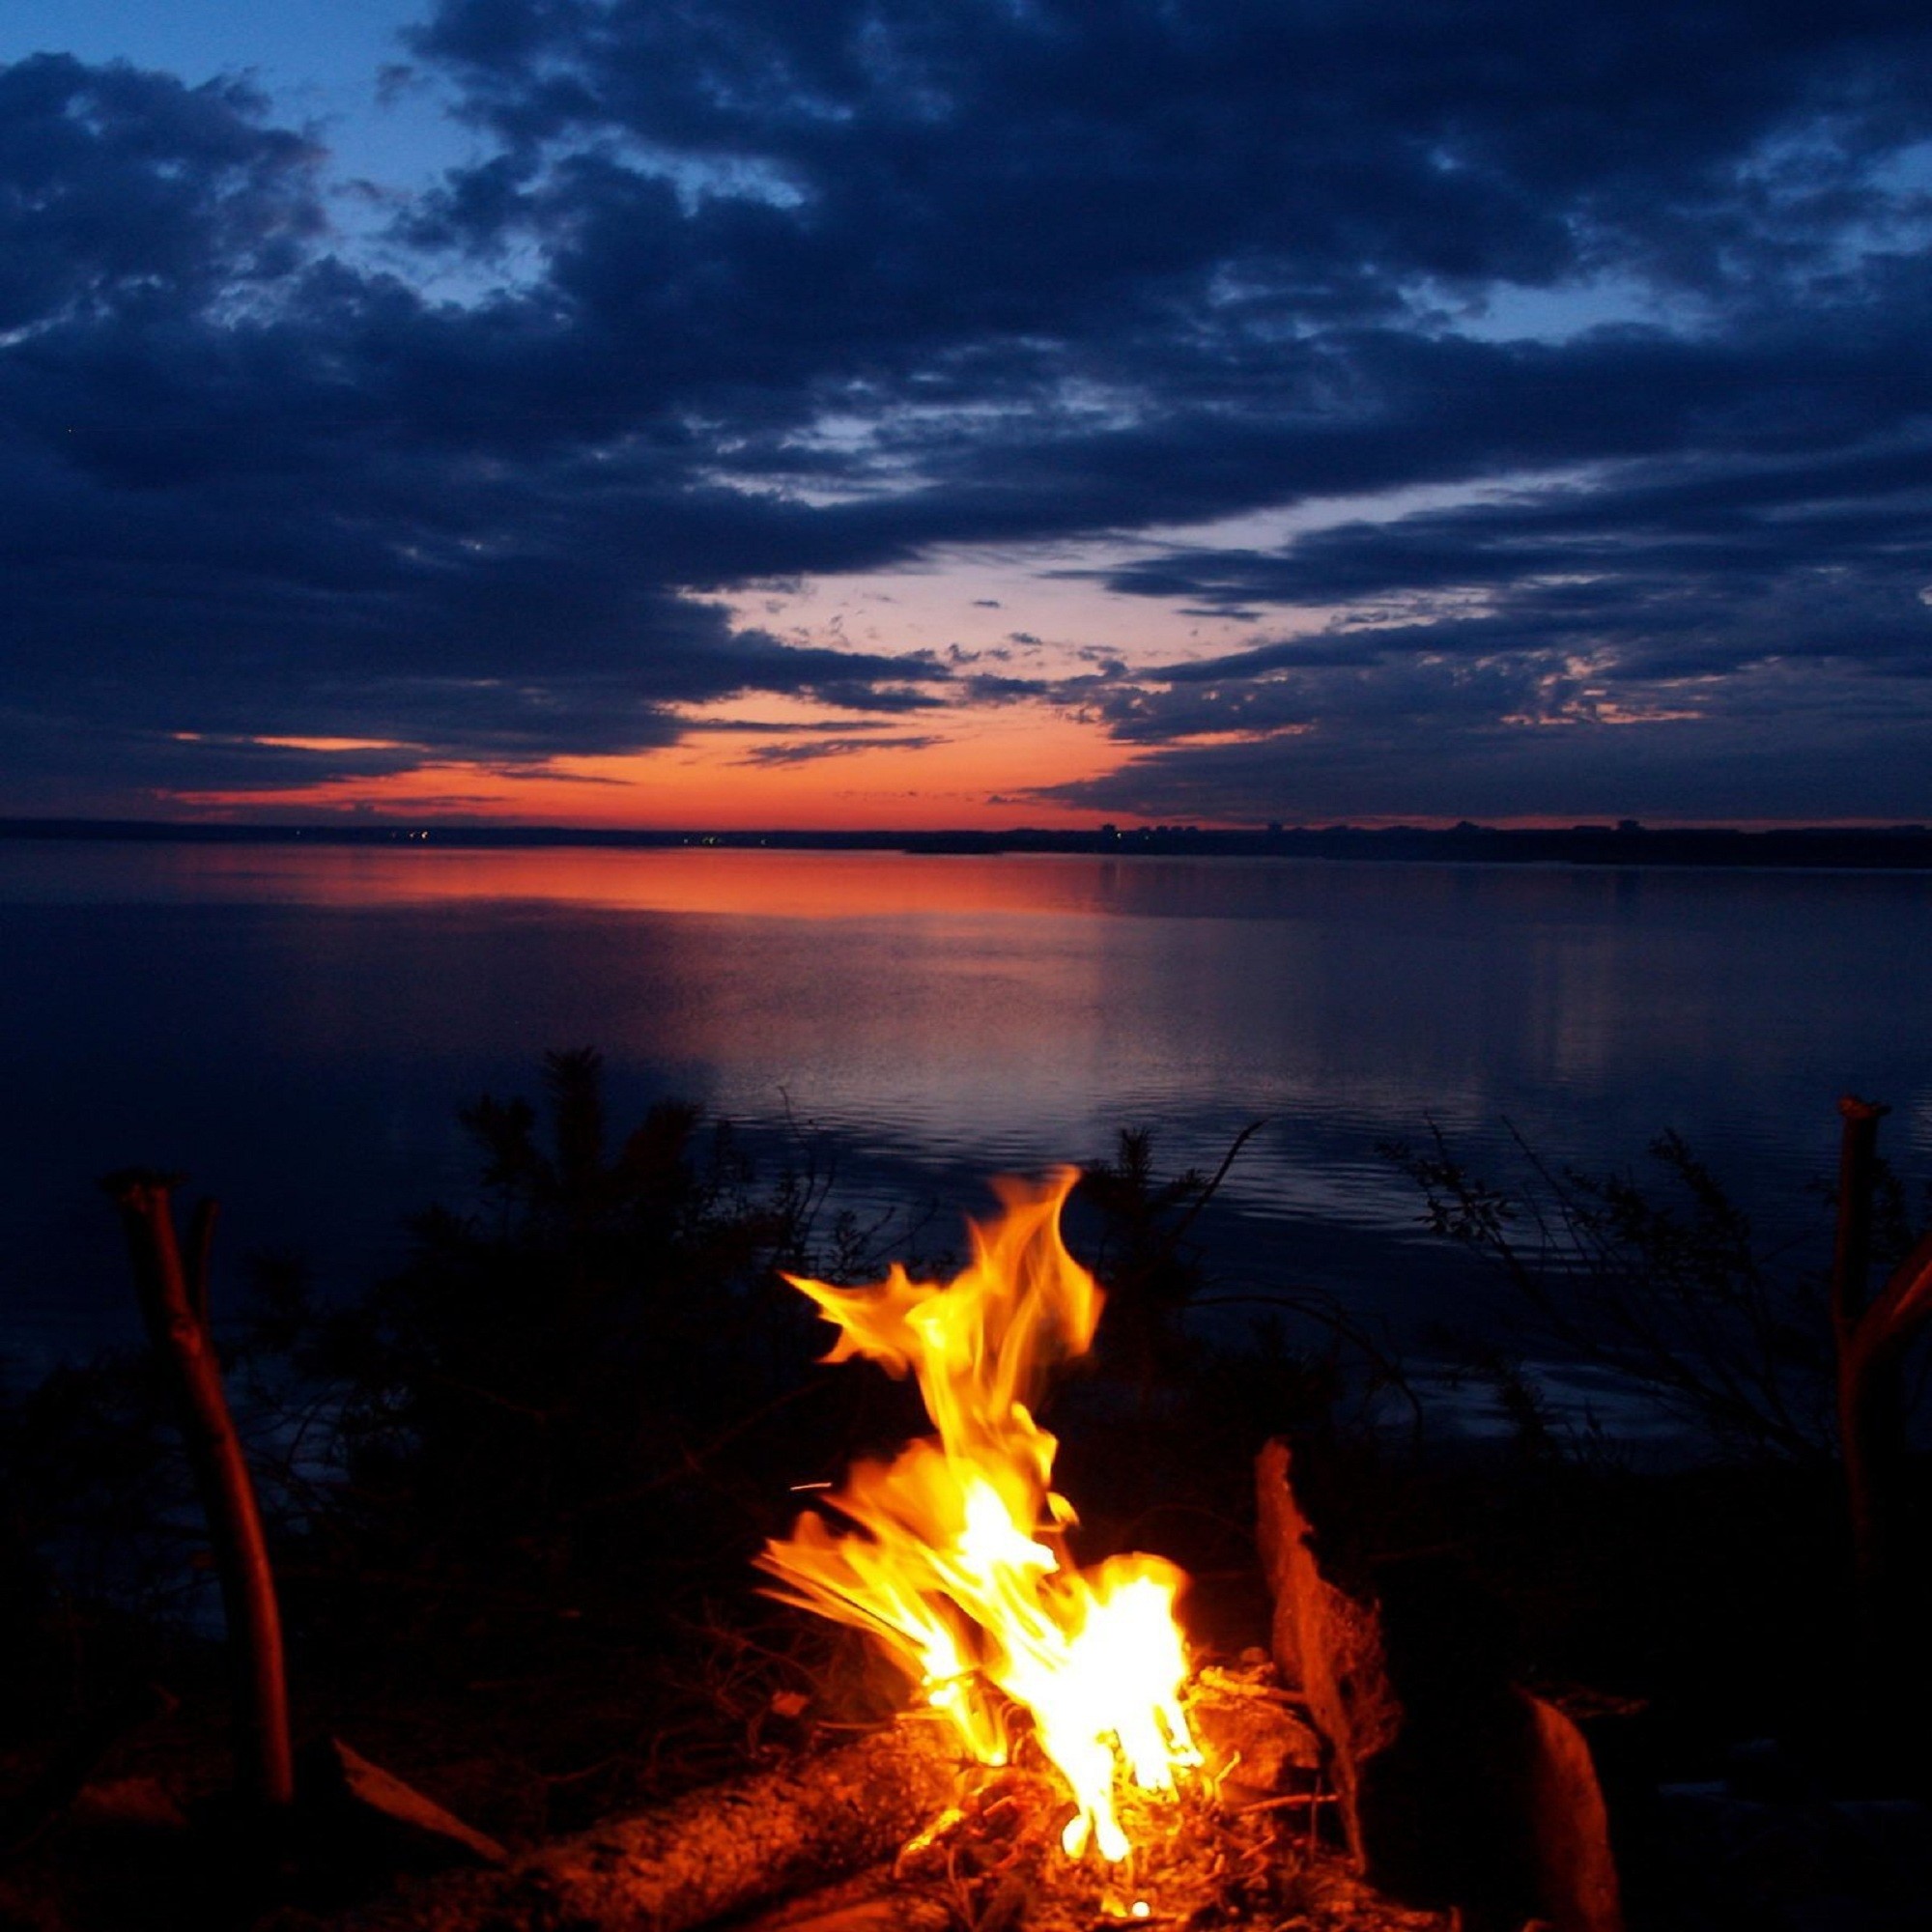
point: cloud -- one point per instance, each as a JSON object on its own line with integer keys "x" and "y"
{"x": 752, "y": 294}
{"x": 131, "y": 189}
{"x": 1421, "y": 768}
{"x": 808, "y": 751}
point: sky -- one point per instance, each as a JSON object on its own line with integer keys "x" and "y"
{"x": 973, "y": 412}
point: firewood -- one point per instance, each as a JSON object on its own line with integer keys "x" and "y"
{"x": 710, "y": 1853}
{"x": 1457, "y": 1787}
{"x": 1255, "y": 1744}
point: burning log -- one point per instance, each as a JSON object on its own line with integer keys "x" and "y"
{"x": 1457, "y": 1787}
{"x": 896, "y": 1834}
{"x": 713, "y": 1852}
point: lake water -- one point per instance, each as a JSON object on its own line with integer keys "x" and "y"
{"x": 294, "y": 1027}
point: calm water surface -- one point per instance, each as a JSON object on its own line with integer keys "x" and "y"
{"x": 295, "y": 1027}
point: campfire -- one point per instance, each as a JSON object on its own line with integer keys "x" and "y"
{"x": 953, "y": 1555}
{"x": 1170, "y": 1791}
{"x": 1064, "y": 1768}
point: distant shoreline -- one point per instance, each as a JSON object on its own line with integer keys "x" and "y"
{"x": 1892, "y": 848}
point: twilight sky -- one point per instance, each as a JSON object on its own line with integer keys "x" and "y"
{"x": 966, "y": 412}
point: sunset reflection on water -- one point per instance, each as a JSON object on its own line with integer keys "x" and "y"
{"x": 733, "y": 881}
{"x": 296, "y": 1025}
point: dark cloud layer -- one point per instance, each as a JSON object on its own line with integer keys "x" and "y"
{"x": 757, "y": 291}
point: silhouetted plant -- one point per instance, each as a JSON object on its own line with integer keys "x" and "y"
{"x": 1665, "y": 1287}
{"x": 1146, "y": 1257}
{"x": 103, "y": 1580}
{"x": 527, "y": 1405}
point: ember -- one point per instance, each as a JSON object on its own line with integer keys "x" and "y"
{"x": 955, "y": 1557}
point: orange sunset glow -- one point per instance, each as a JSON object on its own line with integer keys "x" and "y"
{"x": 964, "y": 768}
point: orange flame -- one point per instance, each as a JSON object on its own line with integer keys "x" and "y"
{"x": 956, "y": 1560}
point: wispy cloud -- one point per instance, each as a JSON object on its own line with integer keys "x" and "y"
{"x": 808, "y": 751}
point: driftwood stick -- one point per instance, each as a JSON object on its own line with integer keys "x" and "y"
{"x": 712, "y": 1852}
{"x": 174, "y": 1305}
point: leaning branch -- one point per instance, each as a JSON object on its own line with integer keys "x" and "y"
{"x": 174, "y": 1305}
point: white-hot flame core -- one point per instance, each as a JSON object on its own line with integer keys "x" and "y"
{"x": 955, "y": 1557}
